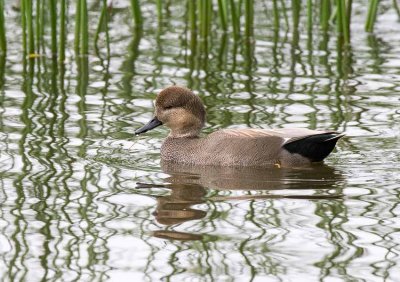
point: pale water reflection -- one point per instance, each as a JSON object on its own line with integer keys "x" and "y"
{"x": 189, "y": 187}
{"x": 83, "y": 199}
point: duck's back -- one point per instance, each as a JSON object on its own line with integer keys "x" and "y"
{"x": 244, "y": 147}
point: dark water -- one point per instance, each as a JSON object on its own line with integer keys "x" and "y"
{"x": 83, "y": 199}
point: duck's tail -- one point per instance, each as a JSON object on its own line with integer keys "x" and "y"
{"x": 314, "y": 147}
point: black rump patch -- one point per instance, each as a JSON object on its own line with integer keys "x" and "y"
{"x": 315, "y": 147}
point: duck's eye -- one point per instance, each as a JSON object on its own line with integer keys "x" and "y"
{"x": 168, "y": 107}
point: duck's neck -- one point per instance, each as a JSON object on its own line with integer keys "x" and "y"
{"x": 194, "y": 133}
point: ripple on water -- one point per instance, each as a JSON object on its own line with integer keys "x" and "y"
{"x": 82, "y": 198}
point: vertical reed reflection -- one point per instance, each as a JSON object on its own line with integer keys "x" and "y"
{"x": 333, "y": 215}
{"x": 49, "y": 192}
{"x": 249, "y": 68}
{"x": 64, "y": 177}
{"x": 83, "y": 80}
{"x": 69, "y": 209}
{"x": 295, "y": 54}
{"x": 2, "y": 72}
{"x": 46, "y": 151}
{"x": 376, "y": 45}
{"x": 17, "y": 269}
{"x": 129, "y": 64}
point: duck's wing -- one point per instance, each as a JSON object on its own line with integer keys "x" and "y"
{"x": 286, "y": 134}
{"x": 315, "y": 145}
{"x": 244, "y": 147}
{"x": 252, "y": 135}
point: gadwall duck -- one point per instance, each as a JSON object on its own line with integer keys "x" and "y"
{"x": 183, "y": 113}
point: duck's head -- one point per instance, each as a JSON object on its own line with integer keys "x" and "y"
{"x": 180, "y": 110}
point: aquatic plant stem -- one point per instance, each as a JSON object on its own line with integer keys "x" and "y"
{"x": 23, "y": 25}
{"x": 202, "y": 6}
{"x": 63, "y": 34}
{"x": 136, "y": 12}
{"x": 342, "y": 20}
{"x": 348, "y": 12}
{"x": 249, "y": 17}
{"x": 223, "y": 13}
{"x": 325, "y": 14}
{"x": 159, "y": 12}
{"x": 192, "y": 15}
{"x": 84, "y": 31}
{"x": 29, "y": 26}
{"x": 309, "y": 16}
{"x": 235, "y": 20}
{"x": 371, "y": 17}
{"x": 276, "y": 15}
{"x": 77, "y": 26}
{"x": 53, "y": 18}
{"x": 103, "y": 25}
{"x": 3, "y": 41}
{"x": 39, "y": 25}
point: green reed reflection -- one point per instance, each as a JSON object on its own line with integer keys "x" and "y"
{"x": 332, "y": 218}
{"x": 2, "y": 72}
{"x": 129, "y": 64}
{"x": 17, "y": 265}
{"x": 47, "y": 199}
{"x": 71, "y": 206}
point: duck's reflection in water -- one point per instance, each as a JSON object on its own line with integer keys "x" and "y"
{"x": 177, "y": 208}
{"x": 189, "y": 186}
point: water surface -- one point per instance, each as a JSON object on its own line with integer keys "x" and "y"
{"x": 83, "y": 199}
